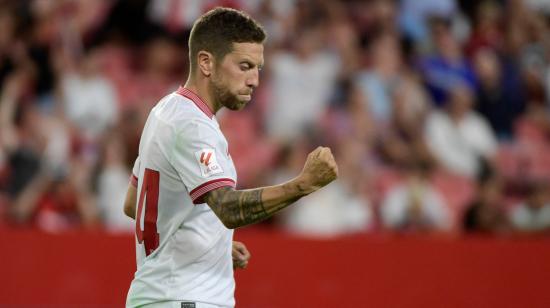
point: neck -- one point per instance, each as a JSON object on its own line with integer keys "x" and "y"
{"x": 201, "y": 88}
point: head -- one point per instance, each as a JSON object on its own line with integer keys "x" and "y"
{"x": 226, "y": 50}
{"x": 460, "y": 101}
{"x": 444, "y": 39}
{"x": 386, "y": 54}
{"x": 488, "y": 14}
{"x": 487, "y": 67}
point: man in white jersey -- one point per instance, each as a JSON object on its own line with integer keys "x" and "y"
{"x": 182, "y": 192}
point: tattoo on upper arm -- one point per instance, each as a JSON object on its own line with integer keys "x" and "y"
{"x": 237, "y": 208}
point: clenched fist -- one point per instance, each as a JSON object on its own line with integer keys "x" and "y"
{"x": 319, "y": 170}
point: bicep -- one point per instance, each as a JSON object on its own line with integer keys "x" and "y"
{"x": 217, "y": 197}
{"x": 236, "y": 208}
{"x": 218, "y": 200}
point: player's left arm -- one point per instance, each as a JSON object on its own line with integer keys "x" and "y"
{"x": 238, "y": 208}
{"x": 130, "y": 202}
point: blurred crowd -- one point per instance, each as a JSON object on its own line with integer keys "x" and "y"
{"x": 437, "y": 111}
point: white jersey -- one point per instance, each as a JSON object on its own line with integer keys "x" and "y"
{"x": 183, "y": 250}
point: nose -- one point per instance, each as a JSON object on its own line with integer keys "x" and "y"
{"x": 253, "y": 80}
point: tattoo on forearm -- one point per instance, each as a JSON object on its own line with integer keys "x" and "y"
{"x": 238, "y": 208}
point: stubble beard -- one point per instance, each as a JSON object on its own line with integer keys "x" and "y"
{"x": 223, "y": 97}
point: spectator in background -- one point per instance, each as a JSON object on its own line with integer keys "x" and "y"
{"x": 459, "y": 137}
{"x": 351, "y": 83}
{"x": 533, "y": 57}
{"x": 379, "y": 80}
{"x": 176, "y": 15}
{"x": 20, "y": 144}
{"x": 89, "y": 99}
{"x": 415, "y": 205}
{"x": 8, "y": 52}
{"x": 350, "y": 119}
{"x": 341, "y": 208}
{"x": 487, "y": 30}
{"x": 302, "y": 80}
{"x": 159, "y": 71}
{"x": 56, "y": 202}
{"x": 500, "y": 102}
{"x": 536, "y": 48}
{"x": 414, "y": 16}
{"x": 446, "y": 66}
{"x": 371, "y": 17}
{"x": 46, "y": 191}
{"x": 533, "y": 215}
{"x": 403, "y": 142}
{"x": 486, "y": 213}
{"x": 41, "y": 35}
{"x": 343, "y": 38}
{"x": 112, "y": 181}
{"x": 276, "y": 16}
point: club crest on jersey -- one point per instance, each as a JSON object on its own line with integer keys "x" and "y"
{"x": 208, "y": 162}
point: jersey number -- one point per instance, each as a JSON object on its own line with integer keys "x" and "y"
{"x": 149, "y": 192}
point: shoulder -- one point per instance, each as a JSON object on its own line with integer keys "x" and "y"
{"x": 545, "y": 211}
{"x": 475, "y": 117}
{"x": 477, "y": 122}
{"x": 520, "y": 211}
{"x": 437, "y": 118}
{"x": 182, "y": 113}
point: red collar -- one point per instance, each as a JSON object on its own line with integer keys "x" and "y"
{"x": 196, "y": 99}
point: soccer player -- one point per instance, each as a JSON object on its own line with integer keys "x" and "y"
{"x": 182, "y": 192}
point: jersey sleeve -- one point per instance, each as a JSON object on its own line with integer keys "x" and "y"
{"x": 135, "y": 173}
{"x": 201, "y": 159}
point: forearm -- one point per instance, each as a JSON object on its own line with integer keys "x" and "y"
{"x": 237, "y": 208}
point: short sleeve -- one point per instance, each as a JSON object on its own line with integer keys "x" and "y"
{"x": 201, "y": 159}
{"x": 135, "y": 172}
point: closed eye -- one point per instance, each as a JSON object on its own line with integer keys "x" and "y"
{"x": 245, "y": 66}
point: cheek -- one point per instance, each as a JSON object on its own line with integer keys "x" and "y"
{"x": 230, "y": 80}
{"x": 235, "y": 77}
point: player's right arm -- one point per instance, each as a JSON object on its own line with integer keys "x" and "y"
{"x": 130, "y": 202}
{"x": 237, "y": 208}
{"x": 131, "y": 193}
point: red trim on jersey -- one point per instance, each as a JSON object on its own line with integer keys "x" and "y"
{"x": 198, "y": 193}
{"x": 196, "y": 99}
{"x": 134, "y": 180}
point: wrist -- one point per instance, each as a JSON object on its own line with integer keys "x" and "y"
{"x": 302, "y": 186}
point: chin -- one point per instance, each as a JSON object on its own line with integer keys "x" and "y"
{"x": 236, "y": 105}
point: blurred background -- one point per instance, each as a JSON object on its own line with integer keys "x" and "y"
{"x": 437, "y": 112}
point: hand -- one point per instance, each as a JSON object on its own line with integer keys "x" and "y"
{"x": 319, "y": 170}
{"x": 240, "y": 255}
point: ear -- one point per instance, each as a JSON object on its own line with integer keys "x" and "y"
{"x": 205, "y": 62}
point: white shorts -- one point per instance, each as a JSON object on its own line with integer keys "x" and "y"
{"x": 181, "y": 304}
